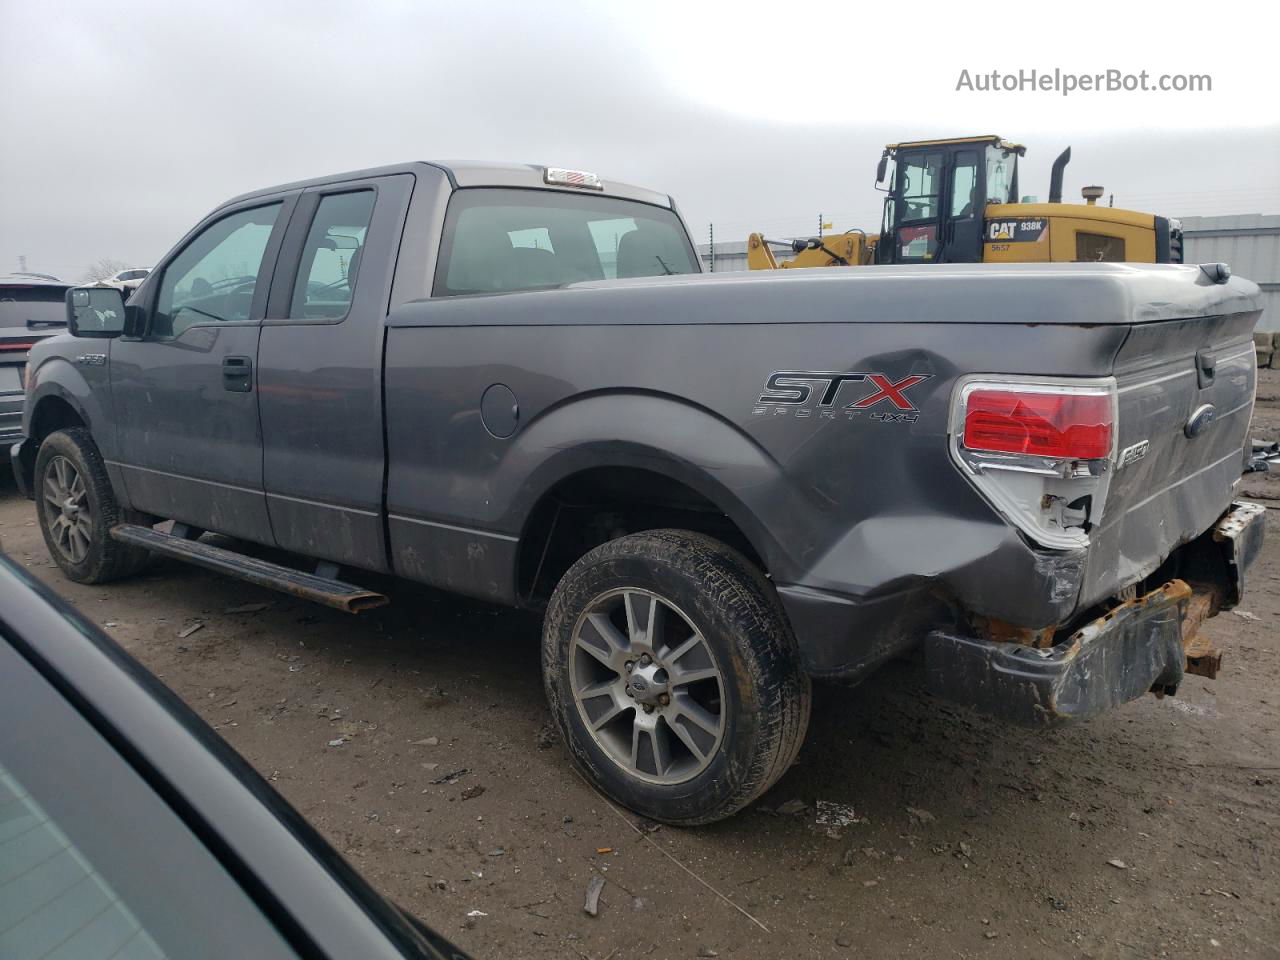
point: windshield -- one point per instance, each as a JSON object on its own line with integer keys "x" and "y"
{"x": 1001, "y": 168}
{"x": 499, "y": 240}
{"x": 920, "y": 176}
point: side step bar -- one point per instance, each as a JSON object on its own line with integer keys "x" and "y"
{"x": 330, "y": 592}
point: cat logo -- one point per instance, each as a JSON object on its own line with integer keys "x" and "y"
{"x": 1020, "y": 230}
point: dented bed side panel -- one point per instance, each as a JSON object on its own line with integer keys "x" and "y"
{"x": 859, "y": 501}
{"x": 819, "y": 427}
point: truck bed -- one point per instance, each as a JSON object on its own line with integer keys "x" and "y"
{"x": 867, "y": 528}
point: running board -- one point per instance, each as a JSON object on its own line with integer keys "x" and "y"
{"x": 330, "y": 592}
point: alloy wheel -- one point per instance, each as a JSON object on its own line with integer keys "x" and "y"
{"x": 647, "y": 686}
{"x": 67, "y": 507}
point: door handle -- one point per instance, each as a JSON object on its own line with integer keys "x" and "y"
{"x": 237, "y": 374}
{"x": 1206, "y": 368}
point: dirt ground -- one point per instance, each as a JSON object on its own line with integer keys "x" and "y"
{"x": 415, "y": 738}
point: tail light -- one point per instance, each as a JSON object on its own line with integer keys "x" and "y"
{"x": 1040, "y": 451}
{"x": 1061, "y": 425}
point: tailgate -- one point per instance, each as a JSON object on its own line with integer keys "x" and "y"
{"x": 1186, "y": 390}
{"x": 28, "y": 312}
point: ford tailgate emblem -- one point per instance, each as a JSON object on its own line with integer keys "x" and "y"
{"x": 1199, "y": 421}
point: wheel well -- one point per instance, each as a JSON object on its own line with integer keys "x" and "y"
{"x": 53, "y": 413}
{"x": 604, "y": 503}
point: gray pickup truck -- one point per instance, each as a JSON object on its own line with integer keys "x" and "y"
{"x": 515, "y": 383}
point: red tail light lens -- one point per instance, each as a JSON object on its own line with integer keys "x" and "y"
{"x": 1062, "y": 425}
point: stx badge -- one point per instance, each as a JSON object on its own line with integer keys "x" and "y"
{"x": 791, "y": 392}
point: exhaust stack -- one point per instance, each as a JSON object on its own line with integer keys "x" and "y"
{"x": 1055, "y": 178}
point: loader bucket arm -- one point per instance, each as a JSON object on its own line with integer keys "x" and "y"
{"x": 759, "y": 256}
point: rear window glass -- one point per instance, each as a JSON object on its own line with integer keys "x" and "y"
{"x": 39, "y": 305}
{"x": 498, "y": 240}
{"x": 331, "y": 257}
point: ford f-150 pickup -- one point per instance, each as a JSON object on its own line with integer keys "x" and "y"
{"x": 516, "y": 383}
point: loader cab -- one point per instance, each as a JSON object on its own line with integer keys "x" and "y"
{"x": 937, "y": 192}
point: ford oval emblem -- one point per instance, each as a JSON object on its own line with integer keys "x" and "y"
{"x": 1199, "y": 421}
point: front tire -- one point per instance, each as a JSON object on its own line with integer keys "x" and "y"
{"x": 674, "y": 676}
{"x": 76, "y": 509}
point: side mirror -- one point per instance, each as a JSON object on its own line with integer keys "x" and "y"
{"x": 882, "y": 167}
{"x": 95, "y": 312}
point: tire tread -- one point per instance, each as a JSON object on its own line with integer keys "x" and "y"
{"x": 108, "y": 559}
{"x": 732, "y": 583}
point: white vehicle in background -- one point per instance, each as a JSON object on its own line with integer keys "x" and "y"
{"x": 126, "y": 281}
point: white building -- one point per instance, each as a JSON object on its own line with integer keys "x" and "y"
{"x": 1249, "y": 244}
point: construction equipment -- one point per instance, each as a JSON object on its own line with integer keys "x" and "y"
{"x": 956, "y": 201}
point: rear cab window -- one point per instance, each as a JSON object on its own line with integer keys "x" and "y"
{"x": 331, "y": 256}
{"x": 498, "y": 240}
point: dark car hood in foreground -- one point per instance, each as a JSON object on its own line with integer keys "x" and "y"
{"x": 319, "y": 903}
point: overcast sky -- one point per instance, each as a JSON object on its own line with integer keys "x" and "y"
{"x": 126, "y": 122}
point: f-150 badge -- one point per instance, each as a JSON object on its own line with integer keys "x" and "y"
{"x": 810, "y": 393}
{"x": 1132, "y": 453}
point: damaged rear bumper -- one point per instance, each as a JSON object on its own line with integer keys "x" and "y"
{"x": 1145, "y": 644}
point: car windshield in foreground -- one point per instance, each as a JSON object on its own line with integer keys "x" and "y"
{"x": 499, "y": 240}
{"x": 94, "y": 864}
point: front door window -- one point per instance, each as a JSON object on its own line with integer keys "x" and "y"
{"x": 214, "y": 278}
{"x": 921, "y": 178}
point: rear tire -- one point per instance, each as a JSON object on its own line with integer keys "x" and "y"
{"x": 674, "y": 676}
{"x": 76, "y": 509}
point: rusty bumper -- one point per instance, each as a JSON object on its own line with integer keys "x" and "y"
{"x": 1143, "y": 645}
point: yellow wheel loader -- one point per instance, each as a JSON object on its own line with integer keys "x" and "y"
{"x": 956, "y": 201}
